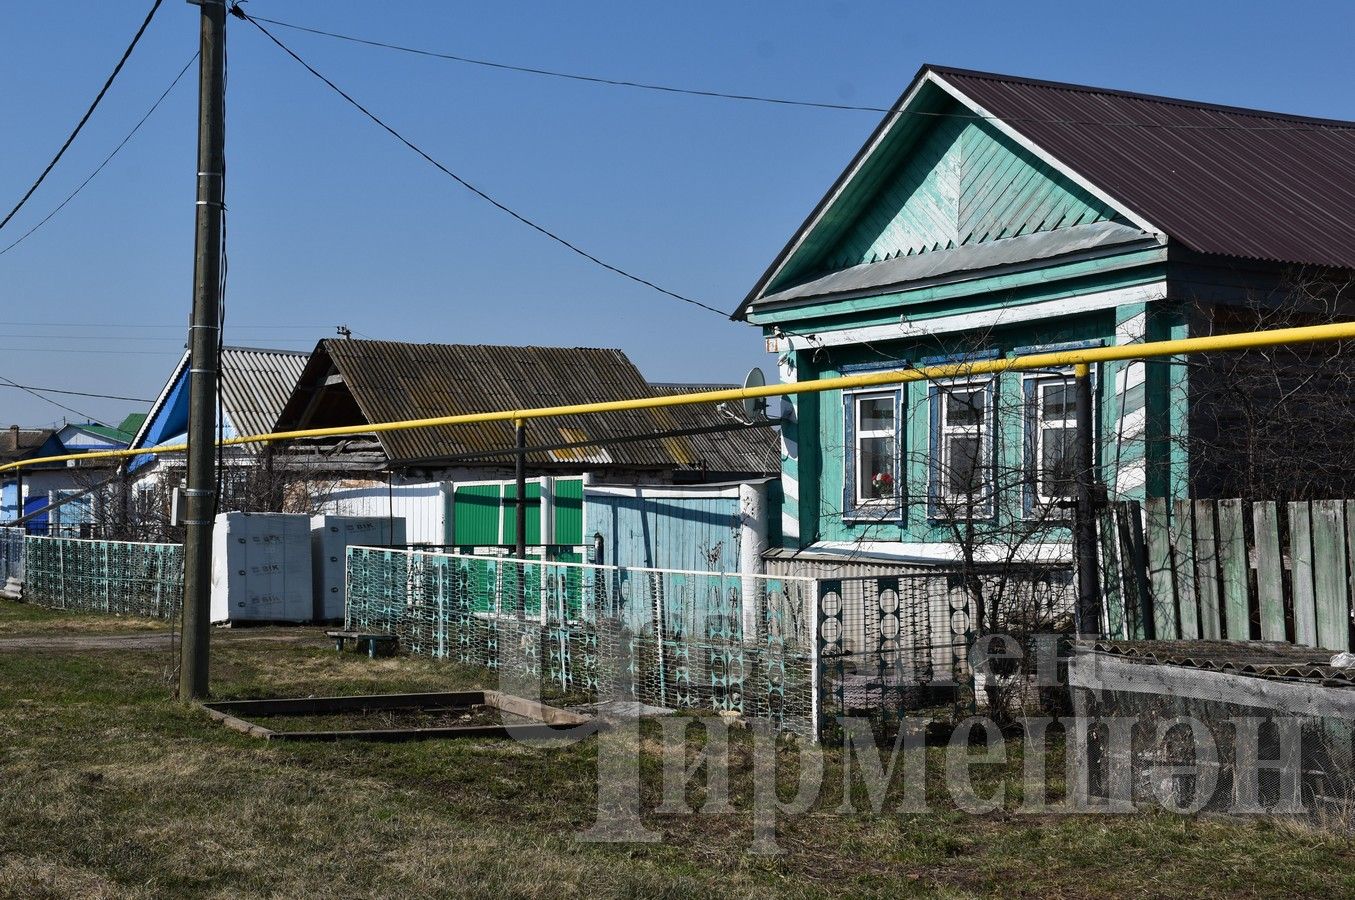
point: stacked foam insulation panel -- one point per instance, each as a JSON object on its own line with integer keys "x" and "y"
{"x": 330, "y": 538}
{"x": 261, "y": 568}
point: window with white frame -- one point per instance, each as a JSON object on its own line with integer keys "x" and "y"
{"x": 1054, "y": 441}
{"x": 875, "y": 448}
{"x": 963, "y": 442}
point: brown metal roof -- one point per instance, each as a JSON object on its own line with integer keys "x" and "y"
{"x": 21, "y": 443}
{"x": 392, "y": 381}
{"x": 1218, "y": 179}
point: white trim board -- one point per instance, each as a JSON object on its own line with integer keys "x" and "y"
{"x": 725, "y": 489}
{"x": 1007, "y": 315}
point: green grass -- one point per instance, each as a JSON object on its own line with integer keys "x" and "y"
{"x": 108, "y": 788}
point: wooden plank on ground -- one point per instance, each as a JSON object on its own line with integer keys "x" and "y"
{"x": 1110, "y": 574}
{"x": 1329, "y": 574}
{"x": 1269, "y": 570}
{"x": 1206, "y": 570}
{"x": 1233, "y": 570}
{"x": 1160, "y": 579}
{"x": 1183, "y": 565}
{"x": 1301, "y": 552}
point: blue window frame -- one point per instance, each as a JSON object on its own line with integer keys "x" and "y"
{"x": 1050, "y": 443}
{"x": 962, "y": 448}
{"x": 873, "y": 435}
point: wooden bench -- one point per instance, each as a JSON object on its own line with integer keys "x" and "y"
{"x": 371, "y": 639}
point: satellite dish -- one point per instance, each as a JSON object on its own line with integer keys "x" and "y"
{"x": 755, "y": 408}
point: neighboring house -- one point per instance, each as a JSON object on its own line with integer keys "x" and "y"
{"x": 24, "y": 491}
{"x": 61, "y": 498}
{"x": 455, "y": 485}
{"x": 255, "y": 383}
{"x": 75, "y": 492}
{"x": 992, "y": 216}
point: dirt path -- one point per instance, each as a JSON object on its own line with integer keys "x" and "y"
{"x": 148, "y": 640}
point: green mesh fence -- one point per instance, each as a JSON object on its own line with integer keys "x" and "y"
{"x": 11, "y": 554}
{"x": 587, "y": 633}
{"x": 104, "y": 576}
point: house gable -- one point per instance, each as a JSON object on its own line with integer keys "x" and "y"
{"x": 947, "y": 181}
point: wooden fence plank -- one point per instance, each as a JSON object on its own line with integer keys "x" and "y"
{"x": 1269, "y": 570}
{"x": 1146, "y": 627}
{"x": 1350, "y": 555}
{"x": 1233, "y": 569}
{"x": 1183, "y": 562}
{"x": 1329, "y": 574}
{"x": 1133, "y": 567}
{"x": 1206, "y": 573}
{"x": 1110, "y": 574}
{"x": 1160, "y": 569}
{"x": 1301, "y": 552}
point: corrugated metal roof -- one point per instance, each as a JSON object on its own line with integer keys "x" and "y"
{"x": 393, "y": 381}
{"x": 23, "y": 442}
{"x": 1264, "y": 659}
{"x": 754, "y": 451}
{"x": 256, "y": 383}
{"x": 1219, "y": 179}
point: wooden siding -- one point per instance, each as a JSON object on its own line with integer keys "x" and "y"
{"x": 694, "y": 533}
{"x": 963, "y": 183}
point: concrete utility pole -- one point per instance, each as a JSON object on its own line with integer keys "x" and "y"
{"x": 204, "y": 344}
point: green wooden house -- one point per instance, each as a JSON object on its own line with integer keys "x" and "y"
{"x": 992, "y": 216}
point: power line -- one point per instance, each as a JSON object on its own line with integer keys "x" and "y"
{"x": 780, "y": 101}
{"x": 139, "y": 325}
{"x": 574, "y": 76}
{"x": 85, "y": 416}
{"x": 240, "y": 13}
{"x": 89, "y": 112}
{"x": 241, "y": 335}
{"x": 30, "y": 388}
{"x": 107, "y": 159}
{"x": 84, "y": 350}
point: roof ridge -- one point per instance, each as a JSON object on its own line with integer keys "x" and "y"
{"x": 342, "y": 341}
{"x": 1137, "y": 95}
{"x": 226, "y": 347}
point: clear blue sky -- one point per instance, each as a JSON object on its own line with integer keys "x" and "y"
{"x": 333, "y": 222}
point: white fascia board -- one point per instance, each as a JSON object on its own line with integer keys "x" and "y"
{"x": 938, "y": 553}
{"x": 669, "y": 491}
{"x": 1007, "y": 315}
{"x": 1043, "y": 154}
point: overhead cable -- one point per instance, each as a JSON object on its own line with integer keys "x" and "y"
{"x": 86, "y": 416}
{"x": 30, "y": 388}
{"x": 89, "y": 112}
{"x": 239, "y": 13}
{"x": 788, "y": 101}
{"x": 107, "y": 159}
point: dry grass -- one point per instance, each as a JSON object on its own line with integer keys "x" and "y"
{"x": 109, "y": 789}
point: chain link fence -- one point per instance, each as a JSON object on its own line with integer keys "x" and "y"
{"x": 114, "y": 577}
{"x": 741, "y": 644}
{"x": 11, "y": 555}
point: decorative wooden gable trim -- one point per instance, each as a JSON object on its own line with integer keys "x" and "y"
{"x": 963, "y": 183}
{"x": 937, "y": 174}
